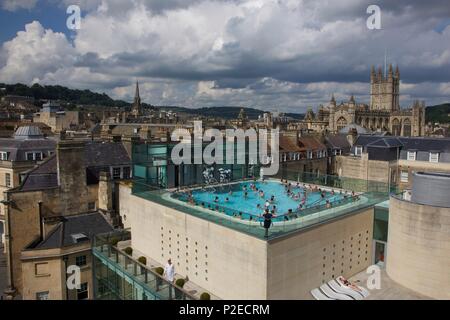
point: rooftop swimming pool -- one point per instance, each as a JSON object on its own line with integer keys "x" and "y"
{"x": 247, "y": 201}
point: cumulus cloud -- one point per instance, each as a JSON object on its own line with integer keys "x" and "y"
{"x": 269, "y": 54}
{"x": 35, "y": 52}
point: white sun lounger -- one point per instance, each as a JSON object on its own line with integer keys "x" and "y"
{"x": 332, "y": 294}
{"x": 365, "y": 293}
{"x": 318, "y": 295}
{"x": 340, "y": 289}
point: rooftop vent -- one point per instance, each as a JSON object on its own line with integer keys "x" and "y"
{"x": 79, "y": 237}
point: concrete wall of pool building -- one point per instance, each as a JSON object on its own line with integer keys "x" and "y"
{"x": 235, "y": 265}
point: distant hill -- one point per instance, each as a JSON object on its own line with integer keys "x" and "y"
{"x": 72, "y": 96}
{"x": 439, "y": 113}
{"x": 226, "y": 112}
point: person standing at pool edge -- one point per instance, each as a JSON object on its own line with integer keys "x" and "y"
{"x": 267, "y": 221}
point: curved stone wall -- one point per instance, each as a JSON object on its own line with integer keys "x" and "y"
{"x": 418, "y": 255}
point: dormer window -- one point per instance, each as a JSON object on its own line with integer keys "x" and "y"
{"x": 358, "y": 151}
{"x": 411, "y": 156}
{"x": 434, "y": 157}
{"x": 4, "y": 156}
{"x": 33, "y": 156}
{"x": 310, "y": 154}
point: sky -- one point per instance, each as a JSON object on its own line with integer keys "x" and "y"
{"x": 280, "y": 55}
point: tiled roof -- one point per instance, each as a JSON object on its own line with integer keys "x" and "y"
{"x": 311, "y": 143}
{"x": 288, "y": 144}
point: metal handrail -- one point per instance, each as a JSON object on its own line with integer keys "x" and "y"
{"x": 125, "y": 235}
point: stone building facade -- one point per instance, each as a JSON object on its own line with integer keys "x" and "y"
{"x": 384, "y": 113}
{"x": 53, "y": 214}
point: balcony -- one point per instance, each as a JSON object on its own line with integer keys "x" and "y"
{"x": 118, "y": 276}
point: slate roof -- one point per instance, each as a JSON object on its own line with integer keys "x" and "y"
{"x": 422, "y": 145}
{"x": 338, "y": 141}
{"x": 17, "y": 148}
{"x": 407, "y": 143}
{"x": 88, "y": 224}
{"x": 98, "y": 156}
{"x": 44, "y": 176}
{"x": 426, "y": 144}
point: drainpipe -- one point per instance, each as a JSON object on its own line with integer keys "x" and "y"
{"x": 10, "y": 291}
{"x": 41, "y": 222}
{"x": 65, "y": 259}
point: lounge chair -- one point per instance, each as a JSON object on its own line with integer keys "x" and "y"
{"x": 365, "y": 293}
{"x": 318, "y": 295}
{"x": 332, "y": 294}
{"x": 340, "y": 289}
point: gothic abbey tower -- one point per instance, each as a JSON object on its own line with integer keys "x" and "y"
{"x": 384, "y": 90}
{"x": 383, "y": 114}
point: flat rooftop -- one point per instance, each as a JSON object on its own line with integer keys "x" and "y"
{"x": 390, "y": 290}
{"x": 321, "y": 215}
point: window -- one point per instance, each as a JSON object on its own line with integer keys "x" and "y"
{"x": 4, "y": 156}
{"x": 126, "y": 172}
{"x": 82, "y": 293}
{"x": 8, "y": 179}
{"x": 116, "y": 173}
{"x": 80, "y": 261}
{"x": 411, "y": 156}
{"x": 33, "y": 156}
{"x": 358, "y": 150}
{"x": 404, "y": 176}
{"x": 42, "y": 295}
{"x": 434, "y": 157}
{"x": 310, "y": 154}
{"x": 91, "y": 206}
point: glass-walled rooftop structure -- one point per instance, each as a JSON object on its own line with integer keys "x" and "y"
{"x": 153, "y": 167}
{"x": 117, "y": 276}
{"x": 156, "y": 177}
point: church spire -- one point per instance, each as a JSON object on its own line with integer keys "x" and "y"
{"x": 136, "y": 95}
{"x": 136, "y": 110}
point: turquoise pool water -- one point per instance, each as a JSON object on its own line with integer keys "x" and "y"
{"x": 246, "y": 207}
